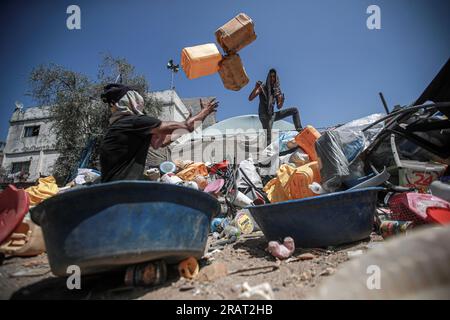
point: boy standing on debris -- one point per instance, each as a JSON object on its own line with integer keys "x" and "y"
{"x": 269, "y": 94}
{"x": 130, "y": 134}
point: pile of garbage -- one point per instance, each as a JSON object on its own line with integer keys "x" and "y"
{"x": 21, "y": 236}
{"x": 234, "y": 187}
{"x": 310, "y": 163}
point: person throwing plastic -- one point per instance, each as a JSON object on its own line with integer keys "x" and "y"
{"x": 125, "y": 146}
{"x": 269, "y": 94}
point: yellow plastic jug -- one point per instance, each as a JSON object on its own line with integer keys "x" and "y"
{"x": 301, "y": 179}
{"x": 293, "y": 183}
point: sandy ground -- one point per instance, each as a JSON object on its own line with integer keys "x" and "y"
{"x": 246, "y": 261}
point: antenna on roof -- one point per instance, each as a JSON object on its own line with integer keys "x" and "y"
{"x": 174, "y": 68}
{"x": 118, "y": 78}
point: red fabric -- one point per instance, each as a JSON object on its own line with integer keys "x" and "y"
{"x": 221, "y": 166}
{"x": 14, "y": 205}
{"x": 438, "y": 215}
{"x": 410, "y": 206}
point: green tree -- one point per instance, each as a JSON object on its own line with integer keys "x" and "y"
{"x": 77, "y": 111}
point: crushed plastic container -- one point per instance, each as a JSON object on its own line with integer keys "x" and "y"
{"x": 232, "y": 73}
{"x": 306, "y": 140}
{"x": 303, "y": 177}
{"x": 192, "y": 171}
{"x": 293, "y": 183}
{"x": 420, "y": 175}
{"x": 200, "y": 61}
{"x": 14, "y": 205}
{"x": 236, "y": 33}
{"x": 390, "y": 228}
{"x": 411, "y": 206}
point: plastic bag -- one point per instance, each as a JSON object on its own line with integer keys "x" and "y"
{"x": 334, "y": 164}
{"x": 269, "y": 159}
{"x": 353, "y": 140}
{"x": 45, "y": 189}
{"x": 250, "y": 171}
{"x": 85, "y": 175}
{"x": 340, "y": 148}
{"x": 299, "y": 158}
{"x": 359, "y": 124}
{"x": 286, "y": 159}
{"x": 284, "y": 140}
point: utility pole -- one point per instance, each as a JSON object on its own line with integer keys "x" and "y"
{"x": 174, "y": 68}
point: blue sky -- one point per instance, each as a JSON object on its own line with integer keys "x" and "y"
{"x": 330, "y": 65}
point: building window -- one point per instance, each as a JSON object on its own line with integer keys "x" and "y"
{"x": 31, "y": 131}
{"x": 23, "y": 167}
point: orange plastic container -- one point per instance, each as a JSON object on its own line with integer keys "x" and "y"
{"x": 304, "y": 176}
{"x": 236, "y": 33}
{"x": 306, "y": 140}
{"x": 293, "y": 183}
{"x": 232, "y": 73}
{"x": 200, "y": 61}
{"x": 314, "y": 166}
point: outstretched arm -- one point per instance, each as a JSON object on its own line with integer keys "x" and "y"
{"x": 169, "y": 131}
{"x": 161, "y": 141}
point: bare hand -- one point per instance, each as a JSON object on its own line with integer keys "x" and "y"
{"x": 210, "y": 106}
{"x": 280, "y": 101}
{"x": 206, "y": 109}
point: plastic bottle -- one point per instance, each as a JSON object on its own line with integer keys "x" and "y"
{"x": 231, "y": 231}
{"x": 316, "y": 188}
{"x": 146, "y": 274}
{"x": 215, "y": 224}
{"x": 225, "y": 222}
{"x": 219, "y": 224}
{"x": 167, "y": 167}
{"x": 244, "y": 222}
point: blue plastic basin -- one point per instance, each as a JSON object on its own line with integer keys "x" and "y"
{"x": 115, "y": 224}
{"x": 326, "y": 220}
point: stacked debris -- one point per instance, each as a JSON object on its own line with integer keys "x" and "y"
{"x": 328, "y": 163}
